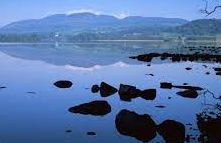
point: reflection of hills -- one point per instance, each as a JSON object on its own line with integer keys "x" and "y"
{"x": 83, "y": 55}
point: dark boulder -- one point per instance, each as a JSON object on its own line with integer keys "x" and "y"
{"x": 145, "y": 58}
{"x": 209, "y": 128}
{"x": 189, "y": 93}
{"x": 148, "y": 94}
{"x": 96, "y": 108}
{"x": 176, "y": 58}
{"x": 107, "y": 90}
{"x": 128, "y": 92}
{"x": 166, "y": 85}
{"x": 218, "y": 73}
{"x": 63, "y": 84}
{"x": 95, "y": 89}
{"x": 217, "y": 69}
{"x": 172, "y": 131}
{"x": 141, "y": 127}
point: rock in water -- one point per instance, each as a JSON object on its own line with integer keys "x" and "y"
{"x": 145, "y": 58}
{"x": 217, "y": 69}
{"x": 141, "y": 127}
{"x": 172, "y": 131}
{"x": 218, "y": 73}
{"x": 63, "y": 84}
{"x": 190, "y": 93}
{"x": 188, "y": 68}
{"x": 128, "y": 92}
{"x": 209, "y": 128}
{"x": 166, "y": 85}
{"x": 91, "y": 133}
{"x": 149, "y": 94}
{"x": 107, "y": 90}
{"x": 95, "y": 89}
{"x": 96, "y": 108}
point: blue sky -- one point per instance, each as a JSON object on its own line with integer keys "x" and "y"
{"x": 14, "y": 10}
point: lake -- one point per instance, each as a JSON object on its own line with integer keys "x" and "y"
{"x": 34, "y": 110}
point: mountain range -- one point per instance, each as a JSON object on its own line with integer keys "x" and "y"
{"x": 87, "y": 26}
{"x": 86, "y": 21}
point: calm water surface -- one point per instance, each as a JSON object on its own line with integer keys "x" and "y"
{"x": 33, "y": 110}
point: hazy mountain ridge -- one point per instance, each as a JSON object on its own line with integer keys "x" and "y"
{"x": 87, "y": 26}
{"x": 86, "y": 21}
{"x": 199, "y": 27}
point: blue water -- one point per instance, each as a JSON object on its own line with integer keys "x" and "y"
{"x": 43, "y": 117}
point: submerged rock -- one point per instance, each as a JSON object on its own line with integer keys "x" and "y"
{"x": 2, "y": 87}
{"x": 207, "y": 73}
{"x": 160, "y": 106}
{"x": 128, "y": 92}
{"x": 141, "y": 127}
{"x": 188, "y": 68}
{"x": 31, "y": 92}
{"x": 68, "y": 131}
{"x": 107, "y": 90}
{"x": 190, "y": 93}
{"x": 148, "y": 94}
{"x": 96, "y": 108}
{"x": 91, "y": 133}
{"x": 95, "y": 89}
{"x": 63, "y": 84}
{"x": 172, "y": 131}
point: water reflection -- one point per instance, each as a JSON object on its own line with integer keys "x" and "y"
{"x": 33, "y": 110}
{"x": 88, "y": 54}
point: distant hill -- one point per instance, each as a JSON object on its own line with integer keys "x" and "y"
{"x": 83, "y": 27}
{"x": 199, "y": 27}
{"x": 86, "y": 22}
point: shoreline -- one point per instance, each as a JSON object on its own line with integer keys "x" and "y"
{"x": 111, "y": 41}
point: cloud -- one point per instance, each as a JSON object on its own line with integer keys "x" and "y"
{"x": 84, "y": 10}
